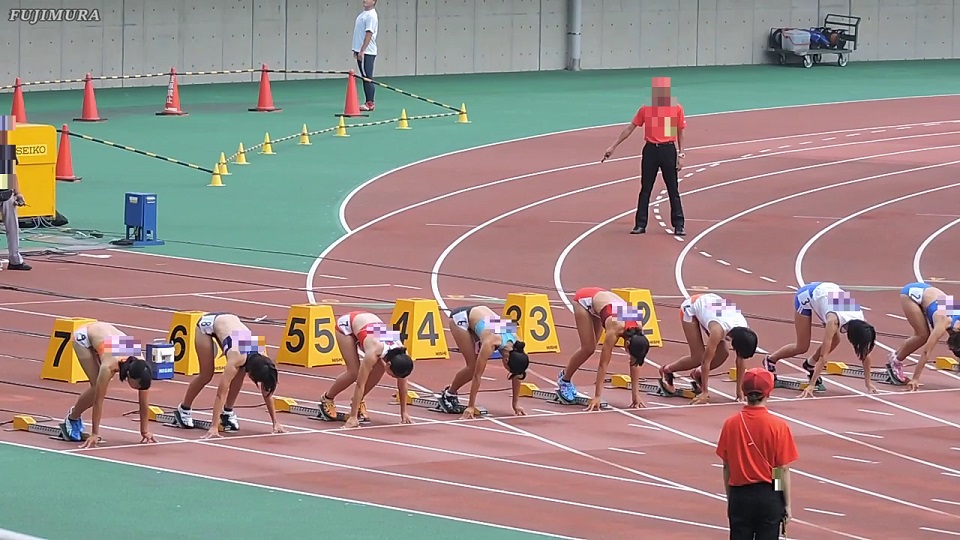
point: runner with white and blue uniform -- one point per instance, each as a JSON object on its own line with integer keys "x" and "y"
{"x": 932, "y": 314}
{"x": 479, "y": 334}
{"x": 839, "y": 313}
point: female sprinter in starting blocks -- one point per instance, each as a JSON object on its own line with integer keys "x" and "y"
{"x": 722, "y": 322}
{"x": 369, "y": 348}
{"x": 931, "y": 314}
{"x": 839, "y": 313}
{"x": 596, "y": 310}
{"x": 480, "y": 333}
{"x": 244, "y": 356}
{"x": 103, "y": 351}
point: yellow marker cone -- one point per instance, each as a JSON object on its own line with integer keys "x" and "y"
{"x": 341, "y": 129}
{"x": 223, "y": 165}
{"x": 404, "y": 121}
{"x": 266, "y": 149}
{"x": 462, "y": 117}
{"x": 304, "y": 137}
{"x": 241, "y": 156}
{"x": 215, "y": 180}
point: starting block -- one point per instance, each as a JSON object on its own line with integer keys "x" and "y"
{"x": 156, "y": 414}
{"x": 653, "y": 389}
{"x": 945, "y": 363}
{"x": 288, "y": 405}
{"x": 878, "y": 375}
{"x": 58, "y": 433}
{"x": 531, "y": 390}
{"x": 786, "y": 383}
{"x": 433, "y": 404}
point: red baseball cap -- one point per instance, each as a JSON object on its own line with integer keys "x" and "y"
{"x": 758, "y": 380}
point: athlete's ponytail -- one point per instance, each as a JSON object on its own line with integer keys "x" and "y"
{"x": 862, "y": 336}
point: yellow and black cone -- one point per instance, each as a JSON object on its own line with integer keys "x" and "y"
{"x": 341, "y": 129}
{"x": 215, "y": 180}
{"x": 241, "y": 156}
{"x": 267, "y": 149}
{"x": 404, "y": 122}
{"x": 223, "y": 165}
{"x": 304, "y": 137}
{"x": 462, "y": 116}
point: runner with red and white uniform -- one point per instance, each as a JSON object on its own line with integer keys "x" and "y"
{"x": 370, "y": 348}
{"x": 722, "y": 322}
{"x": 597, "y": 310}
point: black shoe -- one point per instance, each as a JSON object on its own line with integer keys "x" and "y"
{"x": 679, "y": 232}
{"x": 639, "y": 230}
{"x": 21, "y": 266}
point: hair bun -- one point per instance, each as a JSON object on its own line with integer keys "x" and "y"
{"x": 518, "y": 346}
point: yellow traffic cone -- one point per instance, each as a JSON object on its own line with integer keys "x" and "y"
{"x": 266, "y": 149}
{"x": 223, "y": 165}
{"x": 341, "y": 129}
{"x": 241, "y": 156}
{"x": 462, "y": 117}
{"x": 304, "y": 137}
{"x": 404, "y": 122}
{"x": 215, "y": 180}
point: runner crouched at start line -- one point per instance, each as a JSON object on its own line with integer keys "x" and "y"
{"x": 103, "y": 351}
{"x": 369, "y": 348}
{"x": 244, "y": 357}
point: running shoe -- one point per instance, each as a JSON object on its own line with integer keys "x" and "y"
{"x": 696, "y": 384}
{"x": 448, "y": 402}
{"x": 769, "y": 365}
{"x": 229, "y": 421}
{"x": 327, "y": 409}
{"x": 362, "y": 413}
{"x": 74, "y": 428}
{"x": 809, "y": 368}
{"x": 566, "y": 389}
{"x": 183, "y": 417}
{"x": 895, "y": 369}
{"x": 666, "y": 381}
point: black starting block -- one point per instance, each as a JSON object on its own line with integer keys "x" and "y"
{"x": 654, "y": 389}
{"x": 58, "y": 433}
{"x": 288, "y": 405}
{"x": 531, "y": 390}
{"x": 156, "y": 414}
{"x": 433, "y": 404}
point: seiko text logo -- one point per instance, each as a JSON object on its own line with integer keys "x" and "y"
{"x": 32, "y": 150}
{"x": 33, "y": 16}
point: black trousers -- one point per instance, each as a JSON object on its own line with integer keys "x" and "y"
{"x": 659, "y": 157}
{"x": 755, "y": 512}
{"x": 366, "y": 69}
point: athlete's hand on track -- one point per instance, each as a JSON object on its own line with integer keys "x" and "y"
{"x": 91, "y": 442}
{"x": 405, "y": 419}
{"x": 871, "y": 389}
{"x": 352, "y": 422}
{"x": 212, "y": 433}
{"x": 701, "y": 398}
{"x": 277, "y": 428}
{"x": 470, "y": 412}
{"x": 594, "y": 404}
{"x": 147, "y": 438}
{"x": 913, "y": 385}
{"x": 807, "y": 392}
{"x": 519, "y": 411}
{"x": 740, "y": 397}
{"x": 607, "y": 154}
{"x": 637, "y": 404}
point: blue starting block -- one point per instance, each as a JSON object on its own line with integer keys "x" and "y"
{"x": 140, "y": 218}
{"x": 160, "y": 356}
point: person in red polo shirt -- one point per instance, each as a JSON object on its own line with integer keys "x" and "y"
{"x": 663, "y": 124}
{"x": 757, "y": 449}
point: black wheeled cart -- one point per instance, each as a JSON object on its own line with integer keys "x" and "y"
{"x": 838, "y": 36}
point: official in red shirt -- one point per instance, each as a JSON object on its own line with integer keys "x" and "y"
{"x": 663, "y": 124}
{"x": 757, "y": 448}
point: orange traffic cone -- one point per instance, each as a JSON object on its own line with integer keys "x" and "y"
{"x": 172, "y": 106}
{"x": 65, "y": 158}
{"x": 18, "y": 110}
{"x": 89, "y": 113}
{"x": 351, "y": 106}
{"x": 265, "y": 101}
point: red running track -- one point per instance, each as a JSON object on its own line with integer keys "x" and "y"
{"x": 870, "y": 467}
